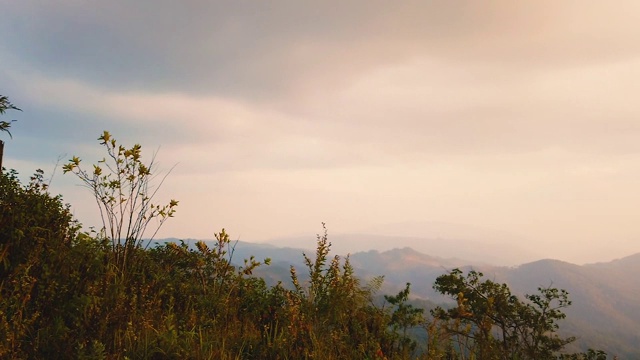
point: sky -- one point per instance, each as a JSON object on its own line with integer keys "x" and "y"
{"x": 516, "y": 117}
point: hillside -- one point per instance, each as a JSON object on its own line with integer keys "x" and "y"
{"x": 605, "y": 312}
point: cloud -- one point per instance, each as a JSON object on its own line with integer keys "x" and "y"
{"x": 269, "y": 50}
{"x": 200, "y": 132}
{"x": 391, "y": 80}
{"x": 393, "y": 114}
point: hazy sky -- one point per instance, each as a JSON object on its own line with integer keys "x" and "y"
{"x": 519, "y": 117}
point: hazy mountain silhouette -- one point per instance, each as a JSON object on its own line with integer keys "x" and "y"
{"x": 447, "y": 240}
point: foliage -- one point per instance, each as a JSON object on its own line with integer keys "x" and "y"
{"x": 334, "y": 306}
{"x": 5, "y": 105}
{"x": 591, "y": 354}
{"x": 489, "y": 322}
{"x": 39, "y": 286}
{"x": 121, "y": 185}
{"x": 404, "y": 317}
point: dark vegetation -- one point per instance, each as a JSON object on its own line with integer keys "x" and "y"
{"x": 604, "y": 313}
{"x": 5, "y": 105}
{"x": 107, "y": 294}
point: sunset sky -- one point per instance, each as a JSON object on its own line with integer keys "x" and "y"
{"x": 521, "y": 118}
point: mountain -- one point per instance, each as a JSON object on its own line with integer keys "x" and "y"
{"x": 458, "y": 245}
{"x": 605, "y": 311}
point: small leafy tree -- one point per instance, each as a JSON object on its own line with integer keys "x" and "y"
{"x": 404, "y": 317}
{"x": 122, "y": 187}
{"x": 489, "y": 322}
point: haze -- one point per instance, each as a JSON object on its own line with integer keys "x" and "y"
{"x": 517, "y": 117}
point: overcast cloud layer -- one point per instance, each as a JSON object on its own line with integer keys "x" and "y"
{"x": 516, "y": 116}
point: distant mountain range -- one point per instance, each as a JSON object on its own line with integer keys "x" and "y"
{"x": 605, "y": 310}
{"x": 605, "y": 313}
{"x": 445, "y": 240}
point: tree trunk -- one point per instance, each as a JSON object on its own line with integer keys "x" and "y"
{"x": 1, "y": 153}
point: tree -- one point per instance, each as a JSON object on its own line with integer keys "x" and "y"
{"x": 122, "y": 187}
{"x": 404, "y": 317}
{"x": 5, "y": 105}
{"x": 489, "y": 322}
